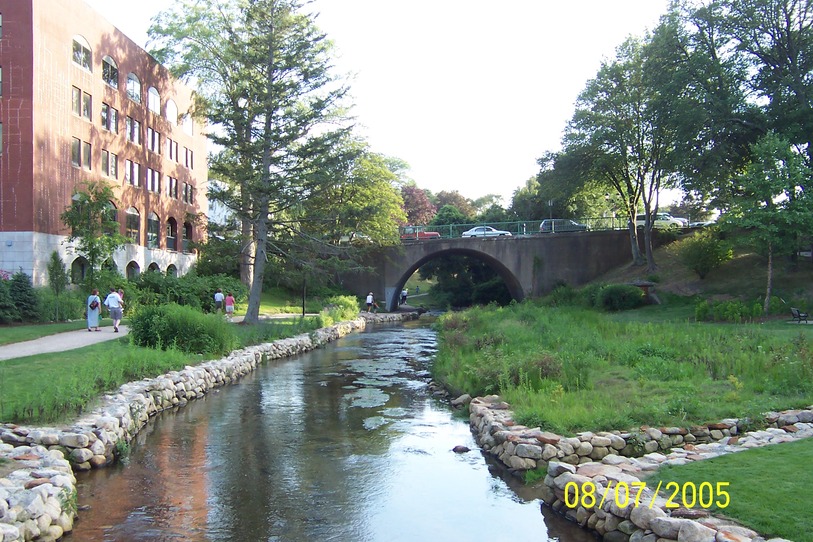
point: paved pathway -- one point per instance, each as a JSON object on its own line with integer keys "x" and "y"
{"x": 59, "y": 342}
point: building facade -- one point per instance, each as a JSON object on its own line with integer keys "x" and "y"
{"x": 79, "y": 101}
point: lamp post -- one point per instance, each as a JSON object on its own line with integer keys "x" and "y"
{"x": 550, "y": 208}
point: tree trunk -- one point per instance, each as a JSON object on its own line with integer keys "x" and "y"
{"x": 767, "y": 305}
{"x": 246, "y": 253}
{"x": 260, "y": 258}
{"x": 651, "y": 266}
{"x": 637, "y": 257}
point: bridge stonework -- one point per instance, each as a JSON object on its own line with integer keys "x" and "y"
{"x": 531, "y": 266}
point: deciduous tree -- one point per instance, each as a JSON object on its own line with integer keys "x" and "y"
{"x": 92, "y": 220}
{"x": 266, "y": 86}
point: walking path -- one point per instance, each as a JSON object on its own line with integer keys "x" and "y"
{"x": 59, "y": 342}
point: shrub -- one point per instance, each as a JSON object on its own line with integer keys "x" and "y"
{"x": 561, "y": 296}
{"x": 71, "y": 305}
{"x": 703, "y": 252}
{"x": 24, "y": 297}
{"x": 619, "y": 297}
{"x": 590, "y": 293}
{"x": 183, "y": 328}
{"x": 190, "y": 290}
{"x": 8, "y": 311}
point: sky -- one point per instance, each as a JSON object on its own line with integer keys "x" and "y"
{"x": 469, "y": 93}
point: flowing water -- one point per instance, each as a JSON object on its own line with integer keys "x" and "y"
{"x": 344, "y": 443}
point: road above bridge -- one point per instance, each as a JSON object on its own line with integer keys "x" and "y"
{"x": 530, "y": 265}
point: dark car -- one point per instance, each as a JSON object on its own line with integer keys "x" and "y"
{"x": 556, "y": 225}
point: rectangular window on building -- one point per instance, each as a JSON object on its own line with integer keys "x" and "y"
{"x": 76, "y": 101}
{"x": 173, "y": 150}
{"x": 188, "y": 193}
{"x": 86, "y": 155}
{"x": 132, "y": 173}
{"x": 86, "y": 105}
{"x": 153, "y": 181}
{"x": 76, "y": 152}
{"x": 154, "y": 141}
{"x": 133, "y": 129}
{"x": 172, "y": 187}
{"x": 113, "y": 120}
{"x": 110, "y": 164}
{"x": 188, "y": 158}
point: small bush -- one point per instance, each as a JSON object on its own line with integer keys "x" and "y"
{"x": 590, "y": 294}
{"x": 703, "y": 252}
{"x": 24, "y": 297}
{"x": 561, "y": 296}
{"x": 183, "y": 328}
{"x": 620, "y": 297}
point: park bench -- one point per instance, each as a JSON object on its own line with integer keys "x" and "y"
{"x": 798, "y": 315}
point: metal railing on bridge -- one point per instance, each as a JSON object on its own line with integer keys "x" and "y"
{"x": 524, "y": 227}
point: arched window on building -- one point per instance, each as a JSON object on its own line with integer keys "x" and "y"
{"x": 81, "y": 53}
{"x": 154, "y": 100}
{"x": 153, "y": 230}
{"x": 133, "y": 225}
{"x": 133, "y": 270}
{"x": 172, "y": 234}
{"x": 134, "y": 87}
{"x": 172, "y": 271}
{"x": 153, "y": 267}
{"x": 110, "y": 265}
{"x": 172, "y": 112}
{"x": 79, "y": 270}
{"x": 187, "y": 236}
{"x": 110, "y": 72}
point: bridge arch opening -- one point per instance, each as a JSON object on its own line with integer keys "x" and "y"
{"x": 510, "y": 281}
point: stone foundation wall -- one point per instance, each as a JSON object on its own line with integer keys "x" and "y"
{"x": 604, "y": 464}
{"x": 38, "y": 496}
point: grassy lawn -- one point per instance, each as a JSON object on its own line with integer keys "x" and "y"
{"x": 569, "y": 369}
{"x": 769, "y": 487}
{"x": 68, "y": 383}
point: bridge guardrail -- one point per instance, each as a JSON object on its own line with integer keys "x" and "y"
{"x": 525, "y": 227}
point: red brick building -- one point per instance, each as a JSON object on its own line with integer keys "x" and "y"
{"x": 80, "y": 101}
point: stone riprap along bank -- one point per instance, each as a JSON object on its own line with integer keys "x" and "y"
{"x": 603, "y": 462}
{"x": 38, "y": 495}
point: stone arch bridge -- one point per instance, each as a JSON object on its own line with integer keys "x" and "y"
{"x": 530, "y": 265}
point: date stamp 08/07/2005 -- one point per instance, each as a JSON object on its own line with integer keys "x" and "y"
{"x": 687, "y": 495}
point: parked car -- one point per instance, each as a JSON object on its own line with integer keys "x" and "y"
{"x": 485, "y": 231}
{"x": 702, "y": 224}
{"x": 661, "y": 221}
{"x": 355, "y": 238}
{"x": 417, "y": 233}
{"x": 555, "y": 225}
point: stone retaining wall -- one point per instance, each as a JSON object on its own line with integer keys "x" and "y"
{"x": 599, "y": 462}
{"x": 38, "y": 497}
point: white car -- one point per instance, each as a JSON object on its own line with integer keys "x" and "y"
{"x": 661, "y": 221}
{"x": 485, "y": 231}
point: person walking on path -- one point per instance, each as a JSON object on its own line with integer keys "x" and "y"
{"x": 94, "y": 308}
{"x": 229, "y": 304}
{"x": 370, "y": 301}
{"x": 115, "y": 305}
{"x": 219, "y": 297}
